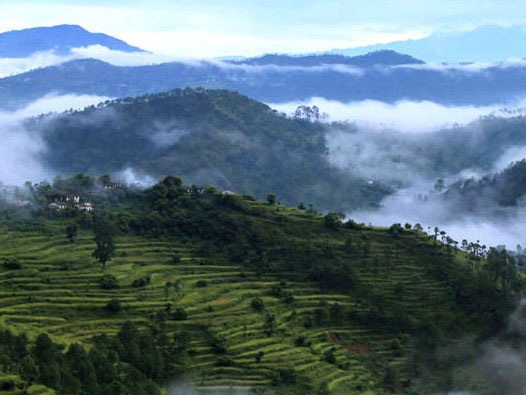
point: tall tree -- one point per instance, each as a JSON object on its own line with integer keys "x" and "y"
{"x": 104, "y": 240}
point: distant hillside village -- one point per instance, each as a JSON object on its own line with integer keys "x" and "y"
{"x": 79, "y": 193}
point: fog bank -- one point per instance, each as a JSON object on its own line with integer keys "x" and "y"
{"x": 21, "y": 150}
{"x": 403, "y": 116}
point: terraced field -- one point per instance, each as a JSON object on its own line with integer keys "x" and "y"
{"x": 57, "y": 291}
{"x": 309, "y": 306}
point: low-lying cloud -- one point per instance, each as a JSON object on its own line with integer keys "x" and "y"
{"x": 20, "y": 149}
{"x": 420, "y": 204}
{"x": 13, "y": 66}
{"x": 499, "y": 364}
{"x": 404, "y": 116}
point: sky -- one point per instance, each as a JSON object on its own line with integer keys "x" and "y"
{"x": 214, "y": 28}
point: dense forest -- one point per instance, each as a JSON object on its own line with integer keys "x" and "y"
{"x": 116, "y": 290}
{"x": 209, "y": 137}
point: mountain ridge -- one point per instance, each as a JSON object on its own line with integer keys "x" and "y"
{"x": 59, "y": 38}
{"x": 274, "y": 83}
{"x": 486, "y": 43}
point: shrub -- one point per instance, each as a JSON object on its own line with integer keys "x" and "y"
{"x": 201, "y": 284}
{"x": 300, "y": 341}
{"x": 259, "y": 355}
{"x": 12, "y": 264}
{"x": 219, "y": 344}
{"x": 141, "y": 281}
{"x": 224, "y": 361}
{"x": 179, "y": 314}
{"x": 257, "y": 304}
{"x": 114, "y": 306}
{"x": 285, "y": 375}
{"x": 329, "y": 356}
{"x": 109, "y": 281}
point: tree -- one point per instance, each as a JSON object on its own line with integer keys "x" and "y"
{"x": 108, "y": 281}
{"x": 104, "y": 240}
{"x": 28, "y": 369}
{"x": 71, "y": 232}
{"x": 271, "y": 198}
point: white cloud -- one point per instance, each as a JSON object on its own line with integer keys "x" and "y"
{"x": 404, "y": 206}
{"x": 404, "y": 116}
{"x": 21, "y": 150}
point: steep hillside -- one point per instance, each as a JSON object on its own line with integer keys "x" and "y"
{"x": 504, "y": 189}
{"x": 229, "y": 293}
{"x": 59, "y": 39}
{"x": 209, "y": 137}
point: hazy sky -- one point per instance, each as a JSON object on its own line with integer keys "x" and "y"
{"x": 205, "y": 28}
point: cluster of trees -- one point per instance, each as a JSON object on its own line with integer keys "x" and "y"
{"x": 130, "y": 363}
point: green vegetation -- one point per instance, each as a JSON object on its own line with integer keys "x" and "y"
{"x": 210, "y": 137}
{"x": 231, "y": 293}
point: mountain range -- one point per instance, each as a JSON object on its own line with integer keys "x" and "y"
{"x": 384, "y": 79}
{"x": 59, "y": 39}
{"x": 484, "y": 44}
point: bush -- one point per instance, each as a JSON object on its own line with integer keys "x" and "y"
{"x": 329, "y": 356}
{"x": 109, "y": 281}
{"x": 141, "y": 281}
{"x": 201, "y": 284}
{"x": 257, "y": 304}
{"x": 258, "y": 356}
{"x": 219, "y": 344}
{"x": 114, "y": 306}
{"x": 12, "y": 264}
{"x": 224, "y": 361}
{"x": 301, "y": 341}
{"x": 179, "y": 314}
{"x": 285, "y": 375}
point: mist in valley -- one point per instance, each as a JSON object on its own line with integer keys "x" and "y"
{"x": 384, "y": 143}
{"x": 404, "y": 145}
{"x": 21, "y": 150}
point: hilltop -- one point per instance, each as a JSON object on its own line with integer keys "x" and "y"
{"x": 210, "y": 137}
{"x": 231, "y": 293}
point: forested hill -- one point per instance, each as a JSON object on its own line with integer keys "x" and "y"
{"x": 503, "y": 189}
{"x": 178, "y": 283}
{"x": 209, "y": 137}
{"x": 382, "y": 57}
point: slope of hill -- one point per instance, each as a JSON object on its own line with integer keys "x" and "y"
{"x": 278, "y": 83}
{"x": 210, "y": 137}
{"x": 484, "y": 44}
{"x": 59, "y": 39}
{"x": 230, "y": 294}
{"x": 504, "y": 189}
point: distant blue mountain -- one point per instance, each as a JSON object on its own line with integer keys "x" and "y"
{"x": 279, "y": 83}
{"x": 381, "y": 57}
{"x": 484, "y": 44}
{"x": 60, "y": 39}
